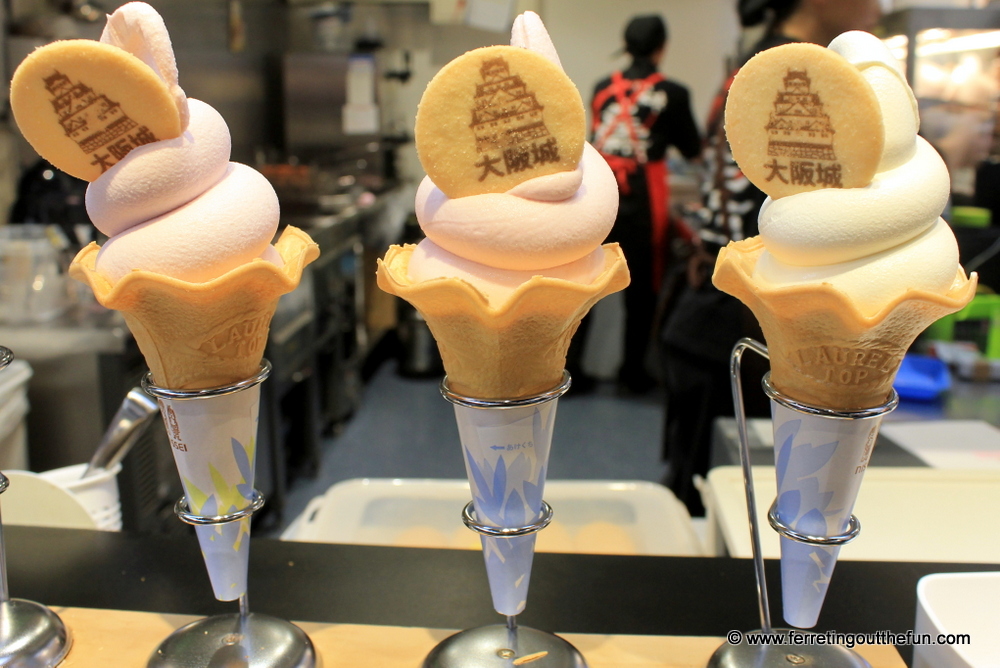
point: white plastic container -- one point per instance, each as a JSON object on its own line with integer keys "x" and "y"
{"x": 591, "y": 516}
{"x": 97, "y": 493}
{"x": 13, "y": 411}
{"x": 959, "y": 603}
{"x": 33, "y": 285}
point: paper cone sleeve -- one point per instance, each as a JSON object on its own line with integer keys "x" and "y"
{"x": 514, "y": 349}
{"x": 824, "y": 351}
{"x": 199, "y": 335}
{"x": 506, "y": 452}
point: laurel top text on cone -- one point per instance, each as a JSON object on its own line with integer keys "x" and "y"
{"x": 504, "y": 351}
{"x": 201, "y": 335}
{"x": 823, "y": 350}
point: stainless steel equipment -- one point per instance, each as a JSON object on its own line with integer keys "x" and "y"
{"x": 31, "y": 635}
{"x": 86, "y": 362}
{"x": 315, "y": 86}
{"x": 341, "y": 336}
{"x": 134, "y": 415}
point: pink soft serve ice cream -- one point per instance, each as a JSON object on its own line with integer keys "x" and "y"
{"x": 178, "y": 207}
{"x": 550, "y": 226}
{"x": 504, "y": 278}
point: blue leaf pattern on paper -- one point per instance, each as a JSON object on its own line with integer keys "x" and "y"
{"x": 812, "y": 523}
{"x": 479, "y": 483}
{"x": 508, "y": 566}
{"x": 499, "y": 484}
{"x": 211, "y": 506}
{"x": 507, "y": 488}
{"x": 493, "y": 501}
{"x": 226, "y": 550}
{"x": 533, "y": 492}
{"x": 801, "y": 460}
{"x": 519, "y": 469}
{"x": 245, "y": 488}
{"x": 809, "y": 459}
{"x": 242, "y": 461}
{"x": 784, "y": 437}
{"x": 788, "y": 505}
{"x": 513, "y": 510}
{"x": 812, "y": 498}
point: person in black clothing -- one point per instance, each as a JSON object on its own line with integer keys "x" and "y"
{"x": 637, "y": 114}
{"x": 703, "y": 324}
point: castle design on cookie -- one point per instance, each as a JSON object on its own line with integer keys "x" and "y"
{"x": 506, "y": 112}
{"x": 96, "y": 123}
{"x": 507, "y": 120}
{"x": 798, "y": 128}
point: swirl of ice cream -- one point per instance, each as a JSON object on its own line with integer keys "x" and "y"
{"x": 541, "y": 223}
{"x": 552, "y": 225}
{"x": 178, "y": 207}
{"x": 139, "y": 29}
{"x": 867, "y": 242}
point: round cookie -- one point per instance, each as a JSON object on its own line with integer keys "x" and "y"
{"x": 496, "y": 117}
{"x": 83, "y": 105}
{"x": 800, "y": 117}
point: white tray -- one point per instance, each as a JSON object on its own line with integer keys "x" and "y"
{"x": 906, "y": 514}
{"x": 632, "y": 517}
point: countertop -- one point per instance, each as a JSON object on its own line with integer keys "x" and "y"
{"x": 410, "y": 587}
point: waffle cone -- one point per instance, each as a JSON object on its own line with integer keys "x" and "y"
{"x": 824, "y": 351}
{"x": 509, "y": 350}
{"x": 199, "y": 335}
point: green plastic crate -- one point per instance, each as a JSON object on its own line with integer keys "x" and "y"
{"x": 982, "y": 307}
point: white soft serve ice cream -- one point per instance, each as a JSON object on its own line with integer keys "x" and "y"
{"x": 549, "y": 226}
{"x": 877, "y": 242}
{"x": 178, "y": 207}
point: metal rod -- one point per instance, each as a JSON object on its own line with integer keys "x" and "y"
{"x": 469, "y": 518}
{"x": 512, "y": 634}
{"x": 849, "y": 534}
{"x": 888, "y": 406}
{"x": 154, "y": 390}
{"x": 521, "y": 402}
{"x": 741, "y": 422}
{"x": 6, "y": 357}
{"x": 183, "y": 512}
{"x": 4, "y": 591}
{"x": 244, "y": 606}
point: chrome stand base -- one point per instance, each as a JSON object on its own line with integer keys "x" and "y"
{"x": 31, "y": 635}
{"x": 785, "y": 656}
{"x": 254, "y": 641}
{"x": 490, "y": 647}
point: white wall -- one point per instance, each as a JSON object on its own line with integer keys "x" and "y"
{"x": 588, "y": 33}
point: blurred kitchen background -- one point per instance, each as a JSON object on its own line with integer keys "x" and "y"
{"x": 320, "y": 97}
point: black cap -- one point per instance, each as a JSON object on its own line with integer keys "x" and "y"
{"x": 645, "y": 34}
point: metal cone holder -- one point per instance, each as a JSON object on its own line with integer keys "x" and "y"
{"x": 246, "y": 639}
{"x": 31, "y": 635}
{"x": 784, "y": 656}
{"x": 504, "y": 645}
